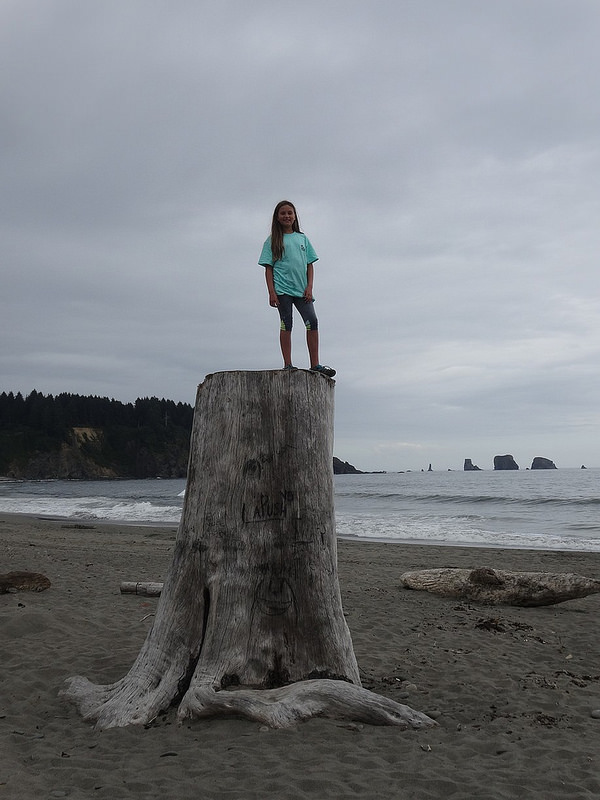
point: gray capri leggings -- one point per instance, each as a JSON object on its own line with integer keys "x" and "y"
{"x": 307, "y": 312}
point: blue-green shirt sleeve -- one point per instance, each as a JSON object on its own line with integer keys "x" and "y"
{"x": 266, "y": 256}
{"x": 311, "y": 256}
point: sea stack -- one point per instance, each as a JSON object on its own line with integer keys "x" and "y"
{"x": 542, "y": 463}
{"x": 505, "y": 462}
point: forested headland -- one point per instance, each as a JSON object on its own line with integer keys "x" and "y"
{"x": 71, "y": 436}
{"x": 76, "y": 437}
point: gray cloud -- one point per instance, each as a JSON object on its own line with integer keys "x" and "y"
{"x": 442, "y": 156}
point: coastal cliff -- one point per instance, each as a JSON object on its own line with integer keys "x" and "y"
{"x": 344, "y": 468}
{"x": 70, "y": 437}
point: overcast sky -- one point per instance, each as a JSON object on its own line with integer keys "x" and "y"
{"x": 444, "y": 159}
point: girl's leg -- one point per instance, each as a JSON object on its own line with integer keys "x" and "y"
{"x": 307, "y": 312}
{"x": 285, "y": 329}
{"x": 312, "y": 336}
{"x": 312, "y": 341}
{"x": 285, "y": 340}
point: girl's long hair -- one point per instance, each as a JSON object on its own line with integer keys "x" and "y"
{"x": 277, "y": 231}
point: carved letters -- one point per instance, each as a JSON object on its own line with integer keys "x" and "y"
{"x": 263, "y": 507}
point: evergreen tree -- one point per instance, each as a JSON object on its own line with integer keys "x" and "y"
{"x": 143, "y": 439}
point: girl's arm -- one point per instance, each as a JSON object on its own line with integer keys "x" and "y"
{"x": 273, "y": 301}
{"x": 308, "y": 292}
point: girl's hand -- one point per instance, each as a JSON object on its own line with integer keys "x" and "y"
{"x": 308, "y": 295}
{"x": 273, "y": 301}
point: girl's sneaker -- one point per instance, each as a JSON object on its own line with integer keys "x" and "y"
{"x": 329, "y": 371}
{"x": 291, "y": 367}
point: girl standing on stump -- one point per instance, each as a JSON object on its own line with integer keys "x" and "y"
{"x": 288, "y": 258}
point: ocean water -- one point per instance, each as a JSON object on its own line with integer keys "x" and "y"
{"x": 540, "y": 509}
{"x": 140, "y": 502}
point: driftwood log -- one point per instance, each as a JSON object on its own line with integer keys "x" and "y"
{"x": 28, "y": 581}
{"x": 250, "y": 620}
{"x": 144, "y": 588}
{"x": 499, "y": 587}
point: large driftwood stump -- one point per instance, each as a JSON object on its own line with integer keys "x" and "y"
{"x": 497, "y": 587}
{"x": 249, "y": 620}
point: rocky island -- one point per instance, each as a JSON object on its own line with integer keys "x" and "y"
{"x": 505, "y": 462}
{"x": 542, "y": 463}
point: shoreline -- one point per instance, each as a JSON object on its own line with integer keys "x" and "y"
{"x": 92, "y": 522}
{"x": 513, "y": 689}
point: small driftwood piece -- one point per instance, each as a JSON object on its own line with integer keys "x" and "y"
{"x": 499, "y": 587}
{"x": 144, "y": 588}
{"x": 28, "y": 581}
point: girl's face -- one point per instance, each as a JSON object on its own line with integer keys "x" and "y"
{"x": 286, "y": 218}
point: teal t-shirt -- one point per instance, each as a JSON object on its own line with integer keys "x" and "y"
{"x": 289, "y": 273}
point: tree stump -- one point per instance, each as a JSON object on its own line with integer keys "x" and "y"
{"x": 250, "y": 620}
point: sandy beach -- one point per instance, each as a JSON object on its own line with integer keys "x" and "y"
{"x": 513, "y": 689}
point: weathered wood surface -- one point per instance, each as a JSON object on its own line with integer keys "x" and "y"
{"x": 500, "y": 587}
{"x": 20, "y": 580}
{"x": 252, "y": 596}
{"x": 288, "y": 705}
{"x": 144, "y": 588}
